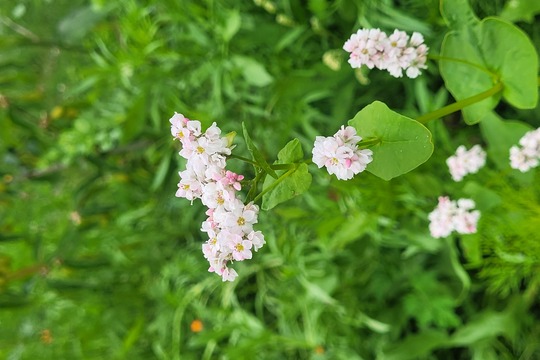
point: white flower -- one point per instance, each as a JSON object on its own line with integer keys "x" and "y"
{"x": 340, "y": 154}
{"x": 527, "y": 156}
{"x": 257, "y": 239}
{"x": 451, "y": 216}
{"x": 466, "y": 162}
{"x": 230, "y": 223}
{"x": 441, "y": 223}
{"x": 178, "y": 125}
{"x": 241, "y": 248}
{"x": 229, "y": 274}
{"x": 394, "y": 53}
{"x": 189, "y": 186}
{"x": 240, "y": 219}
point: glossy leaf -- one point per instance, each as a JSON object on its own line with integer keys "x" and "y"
{"x": 404, "y": 143}
{"x": 487, "y": 51}
{"x": 295, "y": 181}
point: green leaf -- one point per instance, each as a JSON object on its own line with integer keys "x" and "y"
{"x": 253, "y": 72}
{"x": 517, "y": 10}
{"x": 415, "y": 346}
{"x": 232, "y": 25}
{"x": 257, "y": 155}
{"x": 484, "y": 198}
{"x": 161, "y": 171}
{"x": 404, "y": 142}
{"x": 292, "y": 182}
{"x": 458, "y": 13}
{"x": 488, "y": 51}
{"x": 75, "y": 26}
{"x": 292, "y": 152}
{"x": 489, "y": 324}
{"x": 458, "y": 269}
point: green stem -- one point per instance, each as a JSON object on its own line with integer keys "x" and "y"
{"x": 449, "y": 109}
{"x": 477, "y": 66}
{"x": 276, "y": 183}
{"x": 255, "y": 184}
{"x": 369, "y": 142}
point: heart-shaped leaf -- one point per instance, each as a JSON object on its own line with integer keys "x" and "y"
{"x": 291, "y": 182}
{"x": 403, "y": 145}
{"x": 487, "y": 52}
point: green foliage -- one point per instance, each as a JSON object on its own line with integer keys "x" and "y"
{"x": 402, "y": 143}
{"x": 290, "y": 183}
{"x": 98, "y": 259}
{"x": 489, "y": 51}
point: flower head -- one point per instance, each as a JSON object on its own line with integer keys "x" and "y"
{"x": 451, "y": 216}
{"x": 340, "y": 154}
{"x": 395, "y": 53}
{"x": 229, "y": 225}
{"x": 465, "y": 161}
{"x": 526, "y": 156}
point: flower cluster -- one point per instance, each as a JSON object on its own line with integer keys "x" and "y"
{"x": 230, "y": 222}
{"x": 450, "y": 215}
{"x": 528, "y": 156}
{"x": 340, "y": 154}
{"x": 394, "y": 53}
{"x": 465, "y": 161}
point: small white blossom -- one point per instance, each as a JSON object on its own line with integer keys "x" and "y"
{"x": 527, "y": 156}
{"x": 229, "y": 225}
{"x": 465, "y": 162}
{"x": 340, "y": 154}
{"x": 451, "y": 216}
{"x": 395, "y": 53}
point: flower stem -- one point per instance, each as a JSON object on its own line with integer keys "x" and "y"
{"x": 368, "y": 142}
{"x": 458, "y": 105}
{"x": 277, "y": 182}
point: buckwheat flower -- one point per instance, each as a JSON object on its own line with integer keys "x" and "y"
{"x": 229, "y": 274}
{"x": 347, "y": 135}
{"x": 416, "y": 39}
{"x": 215, "y": 194}
{"x": 441, "y": 218}
{"x": 240, "y": 218}
{"x": 451, "y": 216}
{"x": 465, "y": 162}
{"x": 257, "y": 239}
{"x": 189, "y": 186}
{"x": 178, "y": 125}
{"x": 395, "y": 53}
{"x": 465, "y": 218}
{"x": 340, "y": 155}
{"x": 241, "y": 248}
{"x": 396, "y": 43}
{"x": 527, "y": 156}
{"x": 229, "y": 225}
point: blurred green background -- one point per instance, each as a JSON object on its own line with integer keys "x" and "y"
{"x": 99, "y": 260}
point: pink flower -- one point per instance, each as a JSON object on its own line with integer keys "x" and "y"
{"x": 466, "y": 162}
{"x": 230, "y": 223}
{"x": 394, "y": 53}
{"x": 527, "y": 156}
{"x": 451, "y": 216}
{"x": 340, "y": 154}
